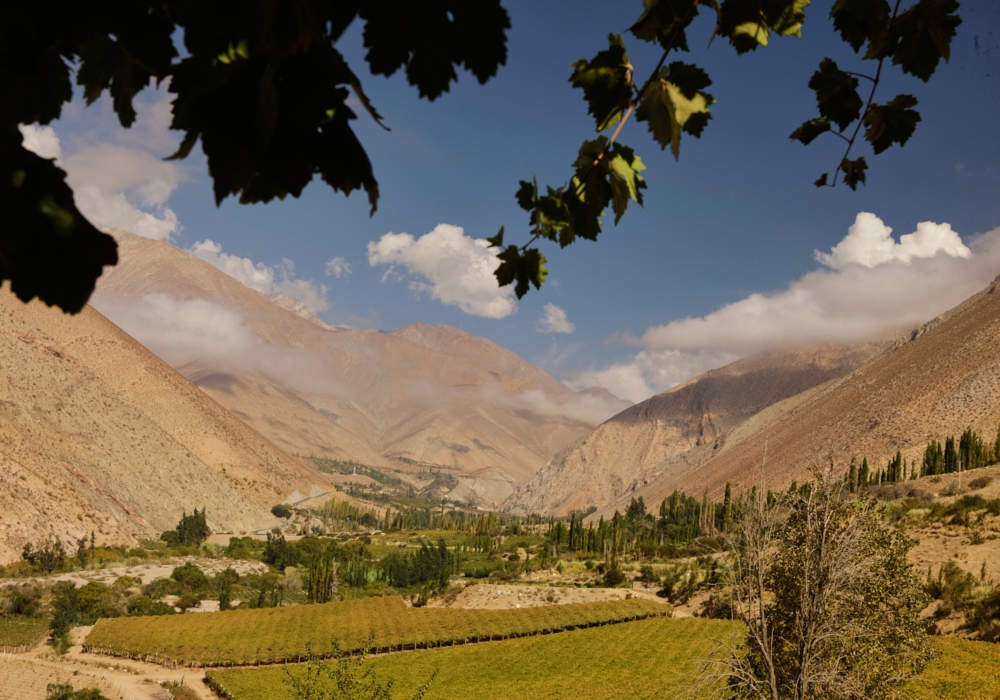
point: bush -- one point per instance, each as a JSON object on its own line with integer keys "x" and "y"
{"x": 980, "y": 482}
{"x": 190, "y": 577}
{"x": 142, "y": 605}
{"x": 64, "y": 691}
{"x": 188, "y": 601}
{"x": 614, "y": 577}
{"x": 282, "y": 510}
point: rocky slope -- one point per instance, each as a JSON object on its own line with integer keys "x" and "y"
{"x": 97, "y": 433}
{"x": 697, "y": 417}
{"x": 413, "y": 399}
{"x": 935, "y": 382}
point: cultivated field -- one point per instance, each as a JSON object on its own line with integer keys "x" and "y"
{"x": 17, "y": 633}
{"x": 634, "y": 661}
{"x": 270, "y": 635}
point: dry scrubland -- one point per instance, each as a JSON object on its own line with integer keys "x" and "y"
{"x": 632, "y": 661}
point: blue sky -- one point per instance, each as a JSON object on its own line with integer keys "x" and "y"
{"x": 737, "y": 216}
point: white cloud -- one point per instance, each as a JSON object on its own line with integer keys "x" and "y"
{"x": 458, "y": 269}
{"x": 869, "y": 243}
{"x": 41, "y": 140}
{"x": 264, "y": 278}
{"x": 116, "y": 186}
{"x": 554, "y": 320}
{"x": 338, "y": 267}
{"x": 871, "y": 285}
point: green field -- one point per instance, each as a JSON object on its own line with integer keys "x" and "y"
{"x": 288, "y": 633}
{"x": 638, "y": 660}
{"x": 647, "y": 659}
{"x": 21, "y": 631}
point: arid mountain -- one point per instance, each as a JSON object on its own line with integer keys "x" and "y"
{"x": 698, "y": 417}
{"x": 97, "y": 433}
{"x": 935, "y": 382}
{"x": 414, "y": 399}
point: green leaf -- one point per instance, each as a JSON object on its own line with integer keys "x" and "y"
{"x": 626, "y": 183}
{"x": 606, "y": 81}
{"x": 859, "y": 21}
{"x": 665, "y": 22}
{"x": 836, "y": 94}
{"x": 675, "y": 102}
{"x": 922, "y": 36}
{"x": 748, "y": 24}
{"x": 809, "y": 130}
{"x": 854, "y": 172}
{"x": 891, "y": 123}
{"x": 821, "y": 182}
{"x": 524, "y": 269}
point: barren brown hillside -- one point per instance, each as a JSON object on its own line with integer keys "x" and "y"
{"x": 696, "y": 418}
{"x": 408, "y": 399}
{"x": 96, "y": 433}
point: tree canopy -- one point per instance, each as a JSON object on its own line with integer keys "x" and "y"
{"x": 261, "y": 85}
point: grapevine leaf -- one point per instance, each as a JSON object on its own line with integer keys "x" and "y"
{"x": 590, "y": 192}
{"x": 836, "y": 94}
{"x": 809, "y": 130}
{"x": 626, "y": 182}
{"x": 526, "y": 195}
{"x": 524, "y": 269}
{"x": 497, "y": 240}
{"x": 661, "y": 23}
{"x": 922, "y": 36}
{"x": 821, "y": 182}
{"x": 606, "y": 81}
{"x": 430, "y": 40}
{"x": 675, "y": 102}
{"x": 859, "y": 21}
{"x": 748, "y": 23}
{"x": 854, "y": 172}
{"x": 891, "y": 123}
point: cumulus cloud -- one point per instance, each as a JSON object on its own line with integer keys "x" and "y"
{"x": 263, "y": 278}
{"x": 452, "y": 267}
{"x": 119, "y": 186}
{"x": 554, "y": 320}
{"x": 338, "y": 267}
{"x": 869, "y": 243}
{"x": 870, "y": 285}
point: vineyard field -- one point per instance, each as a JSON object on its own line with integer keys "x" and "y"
{"x": 636, "y": 660}
{"x": 276, "y": 635}
{"x": 18, "y": 633}
{"x": 647, "y": 659}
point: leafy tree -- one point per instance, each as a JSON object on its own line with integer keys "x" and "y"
{"x": 190, "y": 577}
{"x": 193, "y": 529}
{"x": 49, "y": 557}
{"x": 223, "y": 583}
{"x": 829, "y": 602}
{"x": 278, "y": 553}
{"x": 282, "y": 510}
{"x": 323, "y": 577}
{"x": 65, "y": 691}
{"x": 346, "y": 679}
{"x": 265, "y": 91}
{"x": 65, "y": 610}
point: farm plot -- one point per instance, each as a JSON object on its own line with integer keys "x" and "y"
{"x": 277, "y": 635}
{"x": 18, "y": 634}
{"x": 636, "y": 660}
{"x": 646, "y": 659}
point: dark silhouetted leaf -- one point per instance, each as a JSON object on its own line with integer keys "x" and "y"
{"x": 836, "y": 94}
{"x": 922, "y": 36}
{"x": 748, "y": 23}
{"x": 822, "y": 181}
{"x": 809, "y": 130}
{"x": 891, "y": 123}
{"x": 859, "y": 21}
{"x": 665, "y": 21}
{"x": 523, "y": 269}
{"x": 854, "y": 172}
{"x": 606, "y": 81}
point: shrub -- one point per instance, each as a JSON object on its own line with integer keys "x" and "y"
{"x": 282, "y": 510}
{"x": 190, "y": 577}
{"x": 64, "y": 691}
{"x": 188, "y": 601}
{"x": 614, "y": 577}
{"x": 980, "y": 482}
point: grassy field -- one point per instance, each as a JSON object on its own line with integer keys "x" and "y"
{"x": 21, "y": 631}
{"x": 647, "y": 659}
{"x": 282, "y": 634}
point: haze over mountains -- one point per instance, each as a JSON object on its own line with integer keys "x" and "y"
{"x": 417, "y": 398}
{"x": 797, "y": 407}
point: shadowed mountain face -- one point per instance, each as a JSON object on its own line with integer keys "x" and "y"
{"x": 933, "y": 383}
{"x": 413, "y": 399}
{"x": 699, "y": 417}
{"x": 100, "y": 435}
